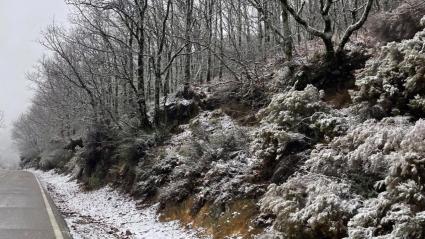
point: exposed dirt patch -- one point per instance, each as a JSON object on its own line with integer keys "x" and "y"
{"x": 220, "y": 221}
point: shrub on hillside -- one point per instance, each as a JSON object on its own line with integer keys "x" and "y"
{"x": 304, "y": 112}
{"x": 208, "y": 160}
{"x": 394, "y": 82}
{"x": 291, "y": 123}
{"x": 365, "y": 153}
{"x": 310, "y": 206}
{"x": 97, "y": 155}
{"x": 368, "y": 183}
{"x": 397, "y": 212}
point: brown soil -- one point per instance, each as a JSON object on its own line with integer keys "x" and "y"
{"x": 236, "y": 220}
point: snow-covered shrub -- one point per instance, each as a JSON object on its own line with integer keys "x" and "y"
{"x": 394, "y": 82}
{"x": 385, "y": 218}
{"x": 126, "y": 156}
{"x": 228, "y": 179}
{"x": 367, "y": 150}
{"x": 208, "y": 159}
{"x": 310, "y": 206}
{"x": 216, "y": 139}
{"x": 74, "y": 165}
{"x": 409, "y": 163}
{"x": 149, "y": 179}
{"x": 291, "y": 123}
{"x": 276, "y": 149}
{"x": 273, "y": 142}
{"x": 30, "y": 160}
{"x": 290, "y": 108}
{"x": 383, "y": 161}
{"x": 131, "y": 150}
{"x": 304, "y": 112}
{"x": 365, "y": 184}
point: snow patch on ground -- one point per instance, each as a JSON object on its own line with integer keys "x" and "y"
{"x": 106, "y": 213}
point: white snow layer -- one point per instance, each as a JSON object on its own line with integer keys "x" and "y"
{"x": 106, "y": 213}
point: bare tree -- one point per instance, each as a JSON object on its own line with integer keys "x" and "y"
{"x": 327, "y": 33}
{"x": 120, "y": 58}
{"x": 187, "y": 35}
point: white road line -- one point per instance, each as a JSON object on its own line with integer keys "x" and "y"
{"x": 53, "y": 222}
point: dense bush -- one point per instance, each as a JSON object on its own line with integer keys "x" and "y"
{"x": 55, "y": 158}
{"x": 291, "y": 123}
{"x": 397, "y": 212}
{"x": 365, "y": 150}
{"x": 311, "y": 206}
{"x": 368, "y": 183}
{"x": 304, "y": 112}
{"x": 209, "y": 160}
{"x": 97, "y": 154}
{"x": 394, "y": 82}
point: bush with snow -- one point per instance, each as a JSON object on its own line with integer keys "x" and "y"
{"x": 310, "y": 206}
{"x": 209, "y": 160}
{"x": 228, "y": 180}
{"x": 292, "y": 122}
{"x": 394, "y": 82}
{"x": 397, "y": 213}
{"x": 384, "y": 218}
{"x": 303, "y": 112}
{"x": 290, "y": 108}
{"x": 365, "y": 150}
{"x": 390, "y": 155}
{"x": 366, "y": 184}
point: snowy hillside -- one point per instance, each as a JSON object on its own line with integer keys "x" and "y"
{"x": 233, "y": 119}
{"x": 106, "y": 213}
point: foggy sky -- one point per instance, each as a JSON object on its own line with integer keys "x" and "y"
{"x": 21, "y": 22}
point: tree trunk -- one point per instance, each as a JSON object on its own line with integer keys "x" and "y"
{"x": 288, "y": 44}
{"x": 188, "y": 31}
{"x": 210, "y": 6}
{"x": 221, "y": 39}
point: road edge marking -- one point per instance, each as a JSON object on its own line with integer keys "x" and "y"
{"x": 56, "y": 229}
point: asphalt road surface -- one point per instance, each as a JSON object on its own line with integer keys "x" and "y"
{"x": 26, "y": 210}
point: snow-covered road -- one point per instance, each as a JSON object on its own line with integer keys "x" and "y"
{"x": 105, "y": 213}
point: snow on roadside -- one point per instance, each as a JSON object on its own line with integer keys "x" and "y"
{"x": 105, "y": 213}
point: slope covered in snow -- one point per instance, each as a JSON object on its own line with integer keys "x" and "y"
{"x": 106, "y": 213}
{"x": 309, "y": 152}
